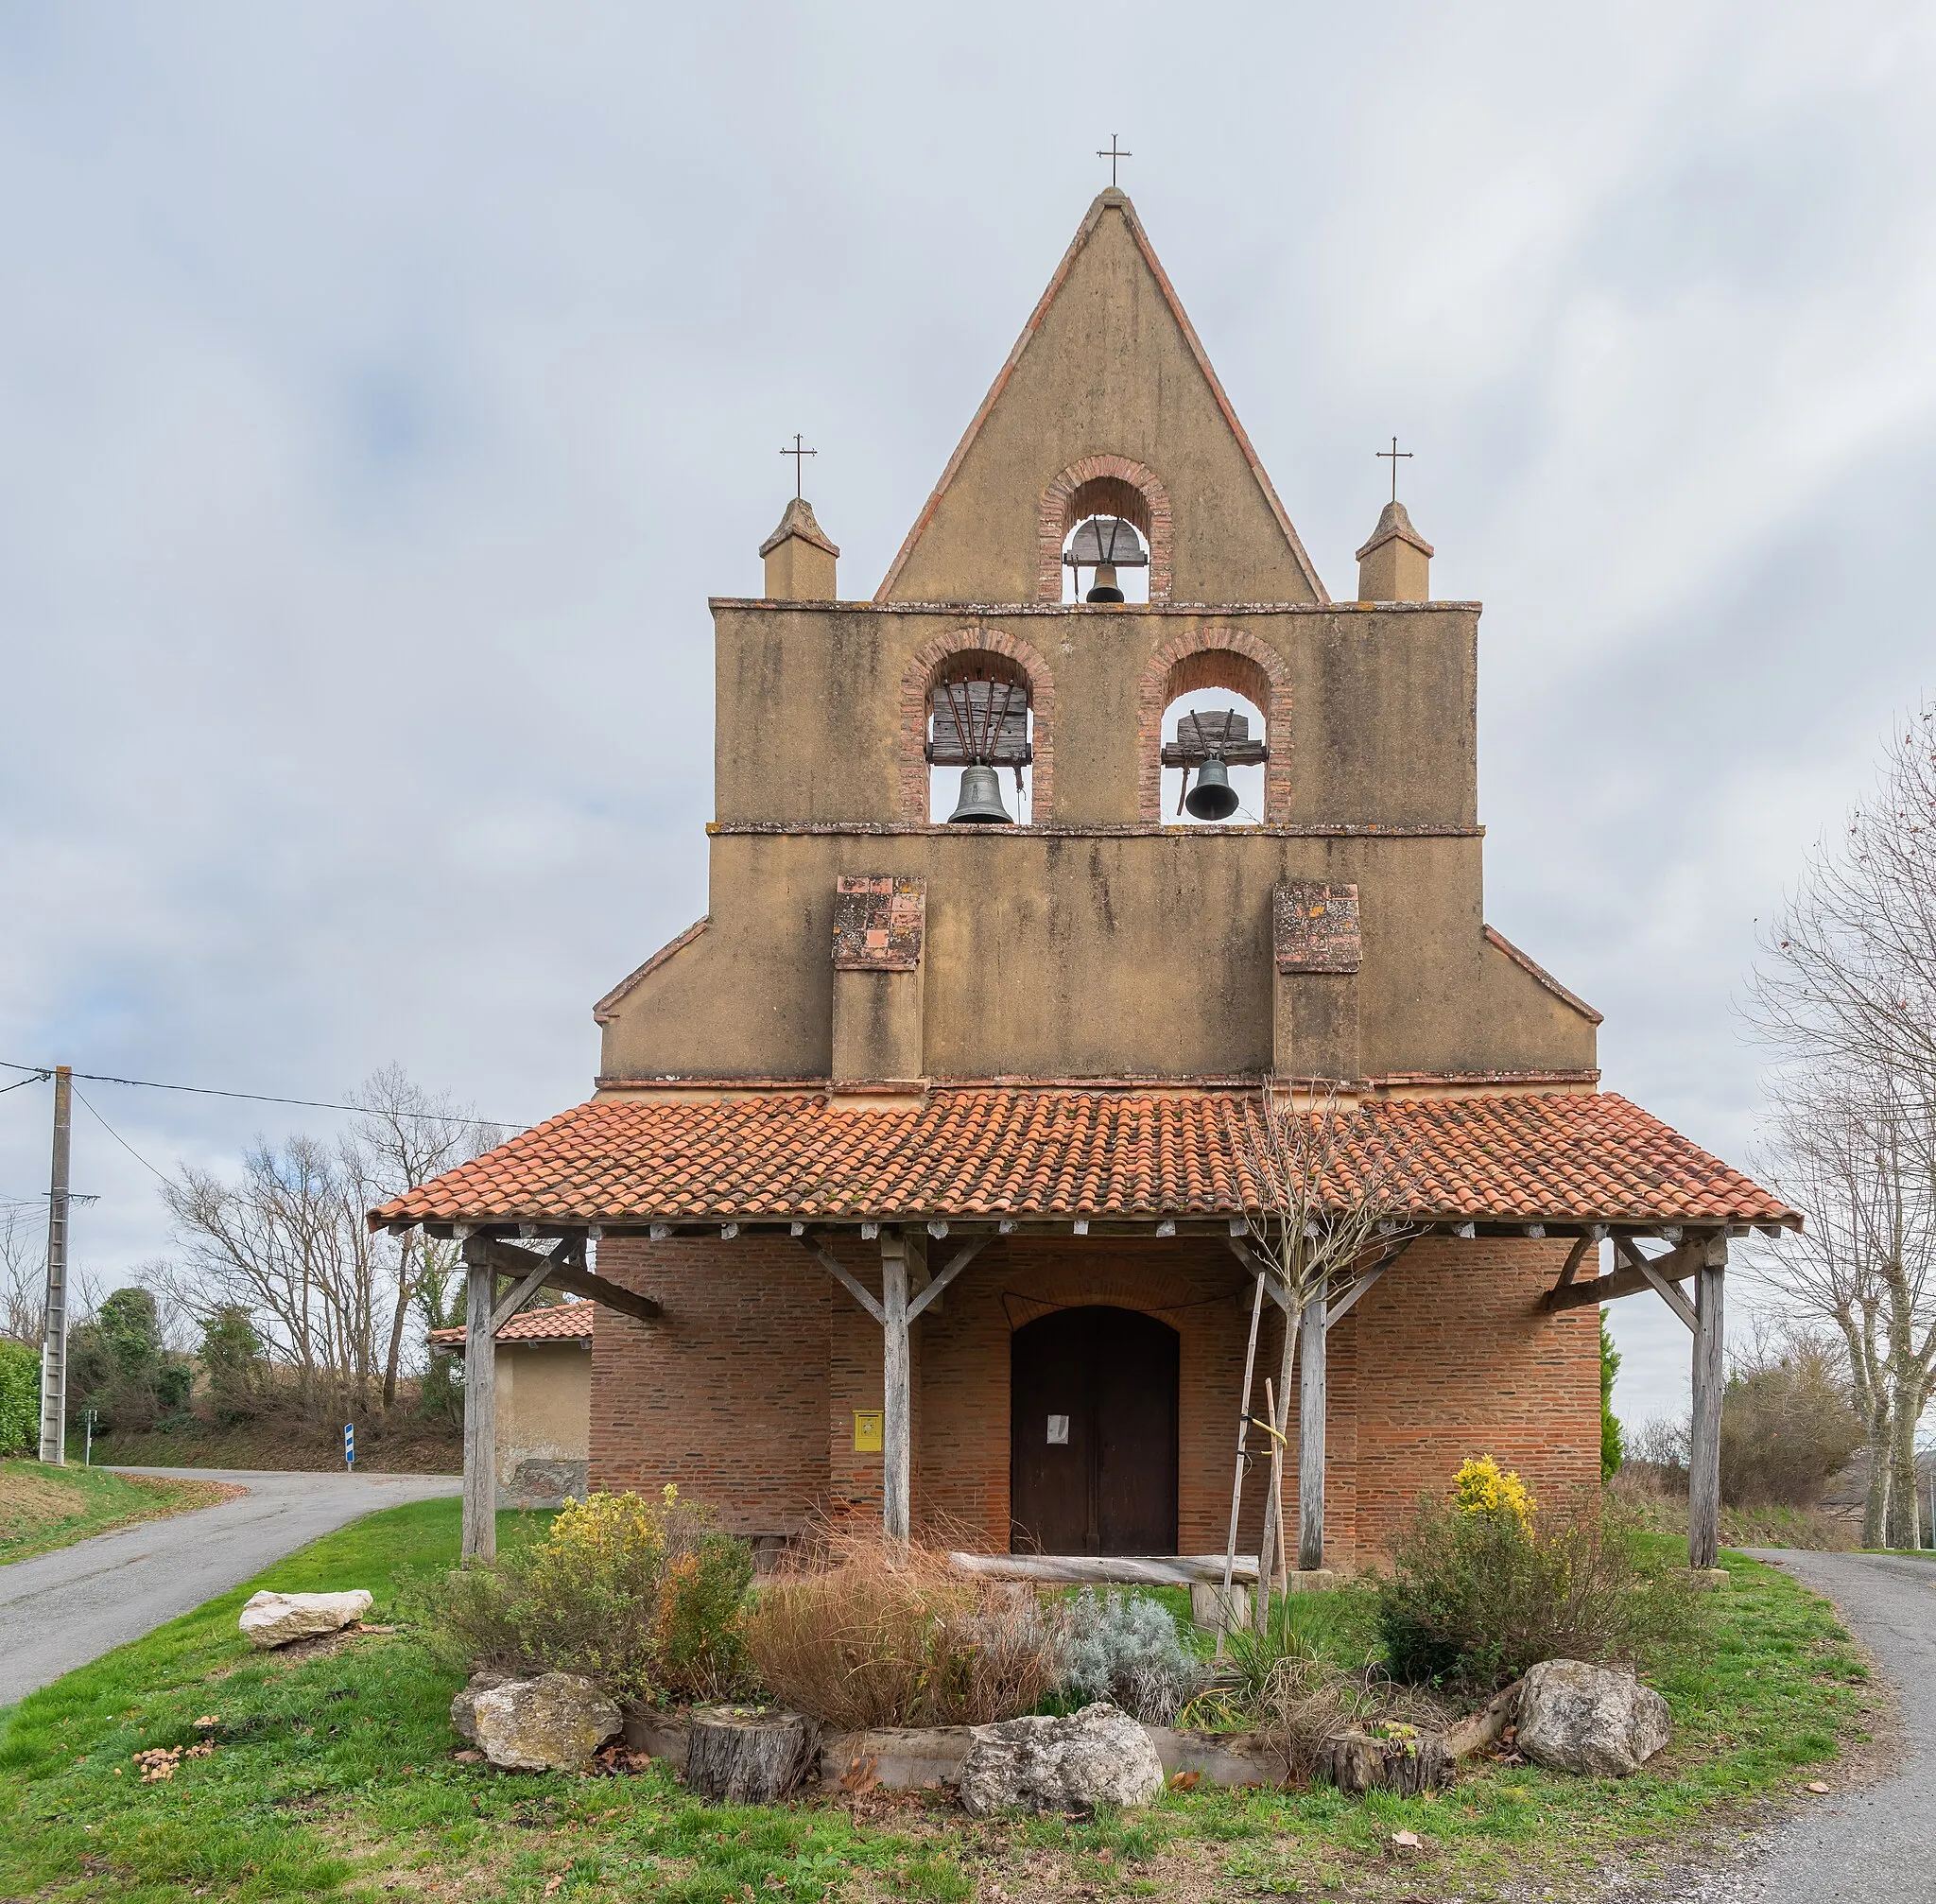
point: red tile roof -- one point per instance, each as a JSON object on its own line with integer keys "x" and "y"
{"x": 970, "y": 1152}
{"x": 560, "y": 1323}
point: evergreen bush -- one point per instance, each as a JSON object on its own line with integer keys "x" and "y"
{"x": 20, "y": 1400}
{"x": 1126, "y": 1649}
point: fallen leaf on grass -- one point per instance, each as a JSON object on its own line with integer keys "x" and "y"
{"x": 860, "y": 1778}
{"x": 467, "y": 1758}
{"x": 1815, "y": 1785}
{"x": 1187, "y": 1781}
{"x": 552, "y": 1883}
{"x": 1407, "y": 1841}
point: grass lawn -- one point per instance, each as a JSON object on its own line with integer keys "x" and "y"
{"x": 333, "y": 1777}
{"x": 45, "y": 1507}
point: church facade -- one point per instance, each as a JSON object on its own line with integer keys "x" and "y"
{"x": 922, "y": 1159}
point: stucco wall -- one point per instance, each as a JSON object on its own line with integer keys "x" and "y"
{"x": 543, "y": 1405}
{"x": 1109, "y": 956}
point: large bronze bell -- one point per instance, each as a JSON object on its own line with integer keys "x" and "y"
{"x": 1211, "y": 798}
{"x": 980, "y": 803}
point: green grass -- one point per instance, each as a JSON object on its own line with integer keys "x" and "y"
{"x": 45, "y": 1507}
{"x": 333, "y": 1777}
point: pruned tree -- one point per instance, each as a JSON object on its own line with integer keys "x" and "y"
{"x": 1844, "y": 993}
{"x": 23, "y": 1276}
{"x": 1330, "y": 1189}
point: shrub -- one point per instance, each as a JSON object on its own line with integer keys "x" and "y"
{"x": 645, "y": 1595}
{"x": 857, "y": 1636}
{"x": 1786, "y": 1426}
{"x": 20, "y": 1400}
{"x": 1477, "y": 1597}
{"x": 1613, "y": 1437}
{"x": 1481, "y": 1489}
{"x": 1124, "y": 1647}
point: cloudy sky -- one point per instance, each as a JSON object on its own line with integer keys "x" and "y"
{"x": 384, "y": 389}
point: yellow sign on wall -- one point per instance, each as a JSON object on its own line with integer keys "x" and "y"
{"x": 866, "y": 1430}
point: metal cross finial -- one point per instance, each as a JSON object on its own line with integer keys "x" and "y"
{"x": 1113, "y": 155}
{"x": 800, "y": 455}
{"x": 1396, "y": 456}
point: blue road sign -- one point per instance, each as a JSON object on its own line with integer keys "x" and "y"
{"x": 350, "y": 1444}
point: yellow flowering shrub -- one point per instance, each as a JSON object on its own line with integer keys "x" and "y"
{"x": 1482, "y": 1487}
{"x": 644, "y": 1593}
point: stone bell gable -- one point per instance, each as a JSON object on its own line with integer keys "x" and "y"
{"x": 1107, "y": 402}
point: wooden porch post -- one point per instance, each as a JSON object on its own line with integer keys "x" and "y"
{"x": 1710, "y": 1383}
{"x": 1310, "y": 1432}
{"x": 896, "y": 1411}
{"x": 480, "y": 1407}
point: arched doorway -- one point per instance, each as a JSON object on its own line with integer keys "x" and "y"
{"x": 1093, "y": 1414}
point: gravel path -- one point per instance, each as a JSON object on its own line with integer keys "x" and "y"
{"x": 1878, "y": 1842}
{"x": 61, "y": 1609}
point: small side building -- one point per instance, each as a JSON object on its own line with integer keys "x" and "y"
{"x": 544, "y": 1402}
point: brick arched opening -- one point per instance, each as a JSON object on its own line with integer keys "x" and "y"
{"x": 1106, "y": 485}
{"x": 1213, "y": 657}
{"x": 949, "y": 657}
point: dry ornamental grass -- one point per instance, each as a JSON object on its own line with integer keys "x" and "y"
{"x": 860, "y": 1637}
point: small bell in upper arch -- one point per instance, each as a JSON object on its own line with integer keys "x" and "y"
{"x": 1212, "y": 798}
{"x": 980, "y": 803}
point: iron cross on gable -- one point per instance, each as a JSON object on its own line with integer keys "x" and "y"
{"x": 1397, "y": 457}
{"x": 1113, "y": 155}
{"x": 800, "y": 457}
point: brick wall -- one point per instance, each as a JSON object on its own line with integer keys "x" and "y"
{"x": 726, "y": 1395}
{"x": 745, "y": 1393}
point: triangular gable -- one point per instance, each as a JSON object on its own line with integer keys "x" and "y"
{"x": 1108, "y": 374}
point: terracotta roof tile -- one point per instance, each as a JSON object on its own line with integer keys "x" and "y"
{"x": 560, "y": 1323}
{"x": 1578, "y": 1156}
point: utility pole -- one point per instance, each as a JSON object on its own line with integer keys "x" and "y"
{"x": 54, "y": 1335}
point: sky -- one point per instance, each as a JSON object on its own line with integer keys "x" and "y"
{"x": 385, "y": 388}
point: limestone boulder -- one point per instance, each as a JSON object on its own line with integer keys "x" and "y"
{"x": 276, "y": 1619}
{"x": 551, "y": 1723}
{"x": 1597, "y": 1720}
{"x": 463, "y": 1708}
{"x": 1098, "y": 1755}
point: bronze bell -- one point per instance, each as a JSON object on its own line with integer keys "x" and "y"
{"x": 980, "y": 803}
{"x": 1211, "y": 798}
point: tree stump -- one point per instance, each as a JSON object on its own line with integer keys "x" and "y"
{"x": 746, "y": 1756}
{"x": 1386, "y": 1758}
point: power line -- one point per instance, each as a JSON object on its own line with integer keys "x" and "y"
{"x": 41, "y": 1072}
{"x": 121, "y": 1140}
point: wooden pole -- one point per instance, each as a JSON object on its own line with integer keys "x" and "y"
{"x": 1268, "y": 1548}
{"x": 1310, "y": 1436}
{"x": 480, "y": 1408}
{"x": 1710, "y": 1384}
{"x": 1243, "y": 1433}
{"x": 1273, "y": 1542}
{"x": 896, "y": 1411}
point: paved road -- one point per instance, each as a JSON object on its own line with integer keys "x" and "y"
{"x": 62, "y": 1609}
{"x": 1878, "y": 1842}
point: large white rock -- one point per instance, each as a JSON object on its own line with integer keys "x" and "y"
{"x": 1098, "y": 1755}
{"x": 276, "y": 1619}
{"x": 1590, "y": 1719}
{"x": 550, "y": 1723}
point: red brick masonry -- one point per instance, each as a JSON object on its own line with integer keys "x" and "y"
{"x": 744, "y": 1393}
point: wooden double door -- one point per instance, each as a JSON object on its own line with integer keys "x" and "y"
{"x": 1093, "y": 1465}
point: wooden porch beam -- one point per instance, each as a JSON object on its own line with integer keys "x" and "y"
{"x": 1667, "y": 1291}
{"x": 522, "y": 1293}
{"x": 1343, "y": 1307}
{"x": 1257, "y": 1266}
{"x": 845, "y": 1278}
{"x": 480, "y": 1403}
{"x": 1710, "y": 1385}
{"x": 956, "y": 1263}
{"x": 897, "y": 1410}
{"x": 1675, "y": 1267}
{"x": 509, "y": 1260}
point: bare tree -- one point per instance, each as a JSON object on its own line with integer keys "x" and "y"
{"x": 1329, "y": 1187}
{"x": 23, "y": 1275}
{"x": 405, "y": 1136}
{"x": 1854, "y": 1162}
{"x": 287, "y": 1243}
{"x": 1845, "y": 993}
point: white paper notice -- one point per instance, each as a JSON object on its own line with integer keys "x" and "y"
{"x": 1058, "y": 1431}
